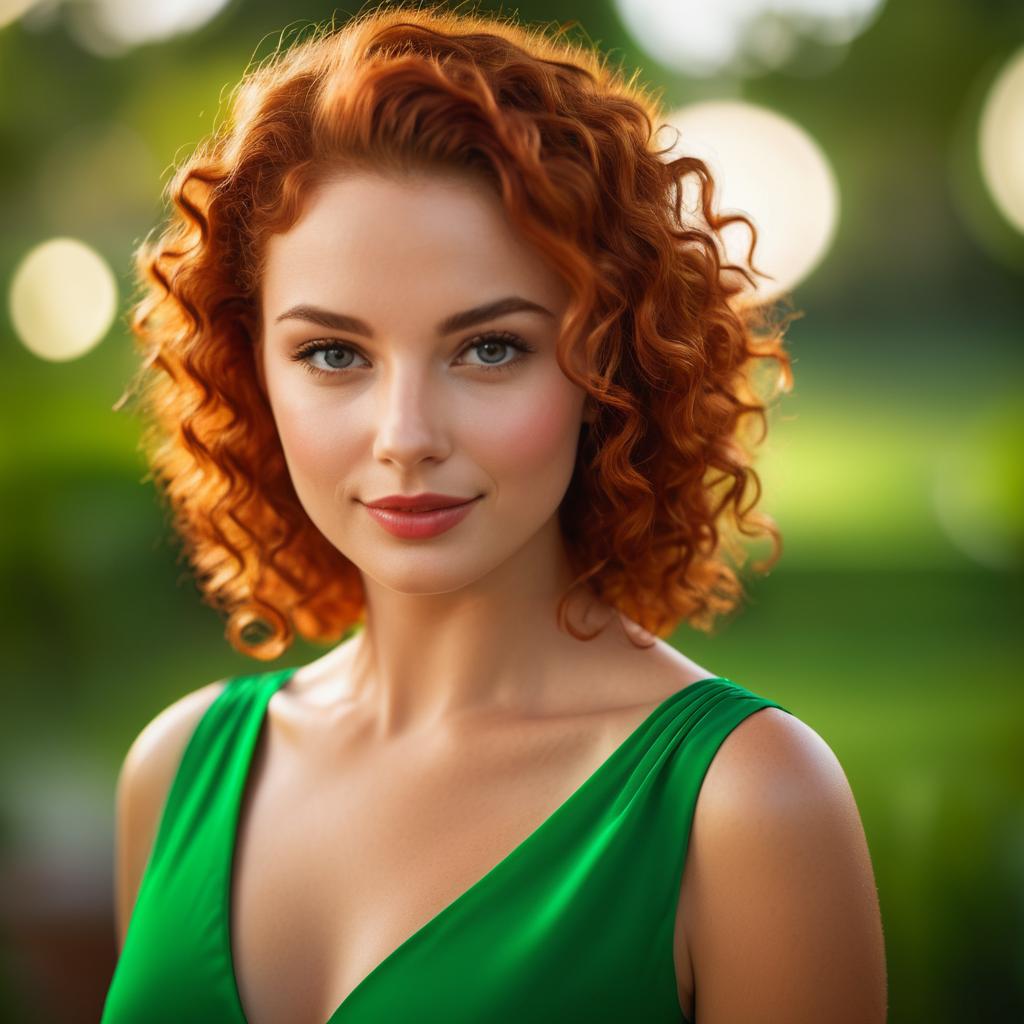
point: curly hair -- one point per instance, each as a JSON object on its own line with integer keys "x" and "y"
{"x": 658, "y": 495}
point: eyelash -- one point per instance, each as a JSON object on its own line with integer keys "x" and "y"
{"x": 326, "y": 344}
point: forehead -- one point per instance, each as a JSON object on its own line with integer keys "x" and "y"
{"x": 425, "y": 233}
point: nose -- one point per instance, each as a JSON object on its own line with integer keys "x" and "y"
{"x": 411, "y": 418}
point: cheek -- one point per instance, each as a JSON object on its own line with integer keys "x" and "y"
{"x": 315, "y": 438}
{"x": 532, "y": 433}
{"x": 522, "y": 435}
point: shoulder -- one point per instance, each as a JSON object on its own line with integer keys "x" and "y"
{"x": 775, "y": 761}
{"x": 779, "y": 879}
{"x": 161, "y": 742}
{"x": 143, "y": 784}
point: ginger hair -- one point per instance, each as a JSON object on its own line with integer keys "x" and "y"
{"x": 663, "y": 489}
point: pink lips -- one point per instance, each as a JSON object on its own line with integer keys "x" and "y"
{"x": 419, "y": 525}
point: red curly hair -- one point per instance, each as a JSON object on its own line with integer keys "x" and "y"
{"x": 658, "y": 495}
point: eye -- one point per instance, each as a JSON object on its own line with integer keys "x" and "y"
{"x": 499, "y": 340}
{"x": 301, "y": 355}
{"x": 486, "y": 344}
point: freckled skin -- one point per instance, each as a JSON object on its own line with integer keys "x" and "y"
{"x": 402, "y": 254}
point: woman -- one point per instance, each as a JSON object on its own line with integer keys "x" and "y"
{"x": 434, "y": 367}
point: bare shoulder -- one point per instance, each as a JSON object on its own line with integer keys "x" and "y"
{"x": 772, "y": 755}
{"x": 143, "y": 784}
{"x": 779, "y": 879}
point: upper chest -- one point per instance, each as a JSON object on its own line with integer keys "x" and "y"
{"x": 341, "y": 855}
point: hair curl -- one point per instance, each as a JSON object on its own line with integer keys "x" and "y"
{"x": 656, "y": 503}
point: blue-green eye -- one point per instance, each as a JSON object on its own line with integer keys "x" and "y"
{"x": 330, "y": 348}
{"x": 486, "y": 342}
{"x": 500, "y": 340}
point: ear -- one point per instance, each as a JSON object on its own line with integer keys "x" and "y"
{"x": 589, "y": 410}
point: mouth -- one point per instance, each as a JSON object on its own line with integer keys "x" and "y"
{"x": 420, "y": 524}
{"x": 412, "y": 509}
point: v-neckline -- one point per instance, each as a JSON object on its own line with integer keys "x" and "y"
{"x": 556, "y": 815}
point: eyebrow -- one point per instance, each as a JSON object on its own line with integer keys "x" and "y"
{"x": 455, "y": 322}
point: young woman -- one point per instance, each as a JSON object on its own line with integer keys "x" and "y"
{"x": 437, "y": 367}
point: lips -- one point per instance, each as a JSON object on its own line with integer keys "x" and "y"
{"x": 428, "y": 501}
{"x": 423, "y": 523}
{"x": 425, "y": 508}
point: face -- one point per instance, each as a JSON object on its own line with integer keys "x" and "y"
{"x": 382, "y": 382}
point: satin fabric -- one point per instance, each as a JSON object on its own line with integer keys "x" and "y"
{"x": 575, "y": 923}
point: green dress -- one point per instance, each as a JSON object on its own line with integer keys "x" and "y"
{"x": 576, "y": 923}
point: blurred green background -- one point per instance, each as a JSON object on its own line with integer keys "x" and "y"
{"x": 893, "y": 468}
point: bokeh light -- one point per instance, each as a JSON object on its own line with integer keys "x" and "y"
{"x": 1001, "y": 141}
{"x": 63, "y": 299}
{"x": 770, "y": 169}
{"x": 12, "y": 10}
{"x": 745, "y": 36}
{"x": 109, "y": 28}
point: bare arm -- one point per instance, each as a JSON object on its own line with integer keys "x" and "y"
{"x": 143, "y": 785}
{"x": 782, "y": 916}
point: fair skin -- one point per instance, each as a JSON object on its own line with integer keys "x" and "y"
{"x": 461, "y": 717}
{"x": 460, "y": 624}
